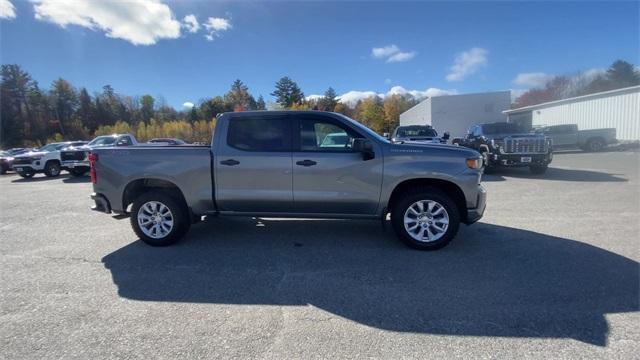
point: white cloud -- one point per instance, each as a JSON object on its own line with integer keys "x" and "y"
{"x": 467, "y": 63}
{"x": 141, "y": 22}
{"x": 536, "y": 79}
{"x": 188, "y": 104}
{"x": 215, "y": 26}
{"x": 190, "y": 22}
{"x": 392, "y": 53}
{"x": 384, "y": 52}
{"x": 351, "y": 98}
{"x": 401, "y": 56}
{"x": 7, "y": 10}
{"x": 419, "y": 94}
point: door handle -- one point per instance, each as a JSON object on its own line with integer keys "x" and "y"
{"x": 230, "y": 162}
{"x": 306, "y": 163}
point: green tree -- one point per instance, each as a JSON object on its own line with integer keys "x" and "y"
{"x": 370, "y": 112}
{"x": 193, "y": 115}
{"x": 146, "y": 108}
{"x": 212, "y": 107}
{"x": 64, "y": 101}
{"x": 238, "y": 97}
{"x": 15, "y": 109}
{"x": 328, "y": 102}
{"x": 623, "y": 74}
{"x": 287, "y": 93}
{"x": 260, "y": 104}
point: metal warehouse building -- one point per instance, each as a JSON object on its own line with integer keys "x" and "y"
{"x": 456, "y": 113}
{"x": 619, "y": 109}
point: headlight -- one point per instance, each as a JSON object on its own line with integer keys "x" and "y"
{"x": 474, "y": 163}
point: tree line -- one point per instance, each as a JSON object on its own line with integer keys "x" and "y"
{"x": 33, "y": 116}
{"x": 620, "y": 74}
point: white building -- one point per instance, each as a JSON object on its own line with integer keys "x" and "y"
{"x": 619, "y": 109}
{"x": 456, "y": 113}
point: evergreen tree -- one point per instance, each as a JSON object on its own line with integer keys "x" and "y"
{"x": 288, "y": 93}
{"x": 328, "y": 102}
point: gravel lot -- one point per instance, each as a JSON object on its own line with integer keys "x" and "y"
{"x": 551, "y": 271}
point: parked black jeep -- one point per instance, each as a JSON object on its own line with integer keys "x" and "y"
{"x": 505, "y": 144}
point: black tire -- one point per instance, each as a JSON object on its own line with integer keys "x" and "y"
{"x": 595, "y": 145}
{"x": 77, "y": 172}
{"x": 27, "y": 174}
{"x": 178, "y": 209}
{"x": 538, "y": 169}
{"x": 425, "y": 193}
{"x": 52, "y": 169}
{"x": 3, "y": 170}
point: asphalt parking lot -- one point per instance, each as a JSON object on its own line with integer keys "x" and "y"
{"x": 551, "y": 271}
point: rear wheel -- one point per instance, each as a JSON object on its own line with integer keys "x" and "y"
{"x": 159, "y": 219}
{"x": 52, "y": 169}
{"x": 425, "y": 218}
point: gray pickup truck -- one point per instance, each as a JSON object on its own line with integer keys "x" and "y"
{"x": 568, "y": 136}
{"x": 276, "y": 164}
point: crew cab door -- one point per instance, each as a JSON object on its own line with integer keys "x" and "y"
{"x": 252, "y": 164}
{"x": 329, "y": 177}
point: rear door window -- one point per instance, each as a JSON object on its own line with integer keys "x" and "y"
{"x": 260, "y": 133}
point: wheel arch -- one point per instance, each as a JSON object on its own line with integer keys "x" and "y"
{"x": 448, "y": 187}
{"x": 137, "y": 187}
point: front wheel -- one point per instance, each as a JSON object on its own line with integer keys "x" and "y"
{"x": 159, "y": 219}
{"x": 52, "y": 169}
{"x": 425, "y": 218}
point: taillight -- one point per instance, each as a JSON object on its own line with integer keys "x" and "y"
{"x": 92, "y": 170}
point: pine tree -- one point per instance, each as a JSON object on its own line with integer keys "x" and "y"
{"x": 287, "y": 93}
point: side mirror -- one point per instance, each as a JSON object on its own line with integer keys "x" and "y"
{"x": 446, "y": 135}
{"x": 364, "y": 146}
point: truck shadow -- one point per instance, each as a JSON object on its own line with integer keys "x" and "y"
{"x": 40, "y": 177}
{"x": 490, "y": 281}
{"x": 553, "y": 174}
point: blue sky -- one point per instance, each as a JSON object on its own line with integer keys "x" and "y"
{"x": 147, "y": 46}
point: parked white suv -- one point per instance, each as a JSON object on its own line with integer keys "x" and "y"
{"x": 42, "y": 160}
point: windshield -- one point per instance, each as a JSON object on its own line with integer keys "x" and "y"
{"x": 416, "y": 131}
{"x": 102, "y": 140}
{"x": 364, "y": 128}
{"x": 500, "y": 128}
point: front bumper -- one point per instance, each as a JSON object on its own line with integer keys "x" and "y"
{"x": 515, "y": 160}
{"x": 70, "y": 164}
{"x": 476, "y": 213}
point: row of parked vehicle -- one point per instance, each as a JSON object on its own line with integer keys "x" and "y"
{"x": 503, "y": 144}
{"x": 71, "y": 156}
